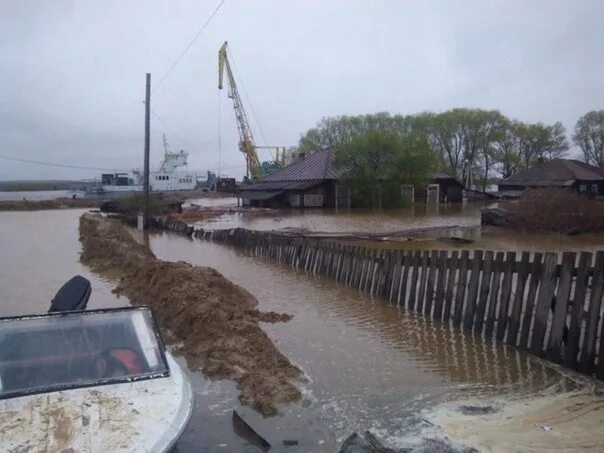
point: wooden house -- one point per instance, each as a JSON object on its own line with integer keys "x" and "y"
{"x": 314, "y": 181}
{"x": 558, "y": 173}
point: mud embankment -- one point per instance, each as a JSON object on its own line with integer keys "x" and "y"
{"x": 213, "y": 321}
{"x": 41, "y": 205}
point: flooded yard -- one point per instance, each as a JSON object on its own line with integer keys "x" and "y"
{"x": 462, "y": 220}
{"x": 367, "y": 364}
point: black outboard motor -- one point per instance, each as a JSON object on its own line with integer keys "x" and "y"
{"x": 73, "y": 295}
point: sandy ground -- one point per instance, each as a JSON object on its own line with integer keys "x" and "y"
{"x": 569, "y": 421}
{"x": 213, "y": 322}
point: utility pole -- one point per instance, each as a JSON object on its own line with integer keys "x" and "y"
{"x": 147, "y": 127}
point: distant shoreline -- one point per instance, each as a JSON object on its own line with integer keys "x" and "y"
{"x": 42, "y": 185}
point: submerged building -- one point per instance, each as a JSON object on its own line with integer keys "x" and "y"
{"x": 314, "y": 181}
{"x": 557, "y": 173}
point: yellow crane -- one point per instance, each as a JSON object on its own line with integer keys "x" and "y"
{"x": 246, "y": 139}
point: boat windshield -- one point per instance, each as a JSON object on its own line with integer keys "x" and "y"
{"x": 78, "y": 349}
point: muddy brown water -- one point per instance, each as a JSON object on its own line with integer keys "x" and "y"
{"x": 368, "y": 365}
{"x": 465, "y": 217}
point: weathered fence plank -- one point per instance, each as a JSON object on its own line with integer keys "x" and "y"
{"x": 440, "y": 285}
{"x": 417, "y": 256}
{"x": 397, "y": 270}
{"x": 451, "y": 281}
{"x": 593, "y": 316}
{"x": 523, "y": 273}
{"x": 494, "y": 295}
{"x": 430, "y": 285}
{"x": 547, "y": 308}
{"x": 506, "y": 293}
{"x": 461, "y": 287}
{"x": 530, "y": 301}
{"x": 561, "y": 306}
{"x": 421, "y": 296}
{"x": 544, "y": 302}
{"x": 404, "y": 283}
{"x": 468, "y": 316}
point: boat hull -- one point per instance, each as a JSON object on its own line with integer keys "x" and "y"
{"x": 139, "y": 416}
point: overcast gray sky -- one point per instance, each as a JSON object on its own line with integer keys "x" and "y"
{"x": 72, "y": 73}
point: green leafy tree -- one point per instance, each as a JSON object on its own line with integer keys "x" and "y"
{"x": 378, "y": 162}
{"x": 331, "y": 132}
{"x": 589, "y": 136}
{"x": 465, "y": 141}
{"x": 469, "y": 144}
{"x": 541, "y": 142}
{"x": 507, "y": 149}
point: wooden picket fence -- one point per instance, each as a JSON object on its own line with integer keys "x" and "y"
{"x": 546, "y": 304}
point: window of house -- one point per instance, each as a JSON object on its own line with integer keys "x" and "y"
{"x": 594, "y": 188}
{"x": 583, "y": 188}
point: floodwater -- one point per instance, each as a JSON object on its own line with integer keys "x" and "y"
{"x": 355, "y": 220}
{"x": 367, "y": 364}
{"x": 460, "y": 220}
{"x": 211, "y": 201}
{"x": 39, "y": 251}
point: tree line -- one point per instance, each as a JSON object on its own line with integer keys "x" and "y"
{"x": 473, "y": 145}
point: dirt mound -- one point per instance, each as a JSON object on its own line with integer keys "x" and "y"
{"x": 214, "y": 321}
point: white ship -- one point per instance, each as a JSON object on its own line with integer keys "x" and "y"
{"x": 166, "y": 179}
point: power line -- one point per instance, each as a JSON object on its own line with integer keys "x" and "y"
{"x": 170, "y": 129}
{"x": 57, "y": 119}
{"x": 188, "y": 47}
{"x": 54, "y": 164}
{"x": 82, "y": 167}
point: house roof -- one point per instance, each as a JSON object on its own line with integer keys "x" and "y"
{"x": 556, "y": 172}
{"x": 439, "y": 175}
{"x": 259, "y": 194}
{"x": 281, "y": 185}
{"x": 318, "y": 166}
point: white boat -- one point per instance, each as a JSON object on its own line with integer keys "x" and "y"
{"x": 166, "y": 178}
{"x": 90, "y": 381}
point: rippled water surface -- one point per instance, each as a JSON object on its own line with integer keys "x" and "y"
{"x": 367, "y": 364}
{"x": 460, "y": 220}
{"x": 370, "y": 365}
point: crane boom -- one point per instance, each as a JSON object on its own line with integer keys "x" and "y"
{"x": 246, "y": 139}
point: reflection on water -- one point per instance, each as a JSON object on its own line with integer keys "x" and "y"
{"x": 465, "y": 218}
{"x": 369, "y": 364}
{"x": 353, "y": 220}
{"x": 213, "y": 201}
{"x": 39, "y": 252}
